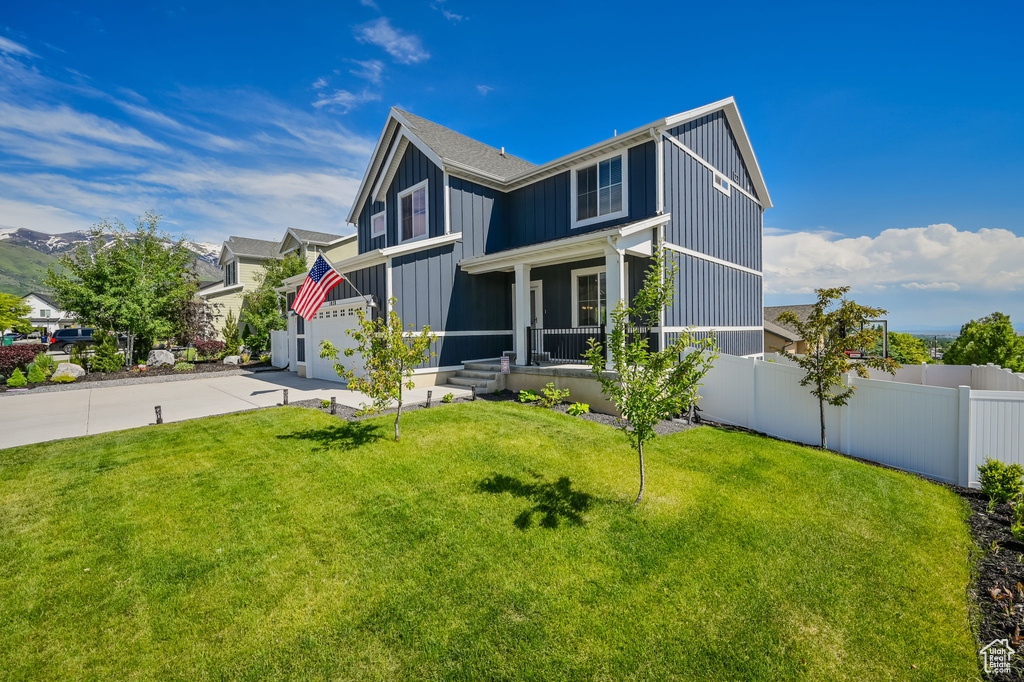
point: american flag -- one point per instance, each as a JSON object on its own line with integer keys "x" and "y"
{"x": 320, "y": 280}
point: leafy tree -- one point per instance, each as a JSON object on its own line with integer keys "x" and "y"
{"x": 905, "y": 349}
{"x": 13, "y": 314}
{"x": 649, "y": 386}
{"x": 196, "y": 320}
{"x": 389, "y": 356}
{"x": 835, "y": 325}
{"x": 990, "y": 339}
{"x": 263, "y": 308}
{"x": 135, "y": 284}
{"x": 232, "y": 341}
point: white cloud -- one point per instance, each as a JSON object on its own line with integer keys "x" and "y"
{"x": 369, "y": 3}
{"x": 344, "y": 101}
{"x": 449, "y": 15}
{"x": 933, "y": 258}
{"x": 40, "y": 217}
{"x": 484, "y": 89}
{"x": 62, "y": 122}
{"x": 11, "y": 47}
{"x": 371, "y": 70}
{"x": 404, "y": 48}
{"x": 320, "y": 83}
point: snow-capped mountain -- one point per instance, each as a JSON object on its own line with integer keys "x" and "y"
{"x": 56, "y": 244}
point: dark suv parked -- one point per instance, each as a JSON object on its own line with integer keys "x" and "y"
{"x": 65, "y": 339}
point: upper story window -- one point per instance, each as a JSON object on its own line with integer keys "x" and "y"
{"x": 378, "y": 225}
{"x": 599, "y": 190}
{"x": 43, "y": 312}
{"x": 721, "y": 184}
{"x": 412, "y": 213}
{"x": 231, "y": 273}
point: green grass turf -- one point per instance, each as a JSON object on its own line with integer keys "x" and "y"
{"x": 495, "y": 541}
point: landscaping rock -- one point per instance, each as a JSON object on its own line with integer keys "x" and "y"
{"x": 233, "y": 360}
{"x": 66, "y": 369}
{"x": 159, "y": 358}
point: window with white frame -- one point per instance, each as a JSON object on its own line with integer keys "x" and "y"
{"x": 231, "y": 273}
{"x": 599, "y": 190}
{"x": 412, "y": 213}
{"x": 43, "y": 312}
{"x": 721, "y": 183}
{"x": 378, "y": 225}
{"x": 589, "y": 297}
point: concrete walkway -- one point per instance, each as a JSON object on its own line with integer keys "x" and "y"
{"x": 36, "y": 418}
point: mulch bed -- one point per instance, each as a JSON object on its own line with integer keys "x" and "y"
{"x": 208, "y": 367}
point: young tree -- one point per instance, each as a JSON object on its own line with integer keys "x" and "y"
{"x": 232, "y": 340}
{"x": 263, "y": 308}
{"x": 835, "y": 325}
{"x": 389, "y": 356}
{"x": 131, "y": 281}
{"x": 990, "y": 339}
{"x": 196, "y": 320}
{"x": 13, "y": 314}
{"x": 649, "y": 386}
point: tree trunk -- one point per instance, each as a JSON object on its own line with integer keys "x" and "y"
{"x": 397, "y": 417}
{"x": 640, "y": 495}
{"x": 821, "y": 414}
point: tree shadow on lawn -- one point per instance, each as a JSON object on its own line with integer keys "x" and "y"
{"x": 344, "y": 436}
{"x": 554, "y": 502}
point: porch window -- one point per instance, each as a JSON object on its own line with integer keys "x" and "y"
{"x": 589, "y": 298}
{"x": 599, "y": 190}
{"x": 412, "y": 212}
{"x": 378, "y": 225}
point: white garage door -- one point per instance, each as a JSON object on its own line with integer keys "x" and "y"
{"x": 332, "y": 324}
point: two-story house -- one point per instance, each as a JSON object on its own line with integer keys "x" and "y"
{"x": 497, "y": 254}
{"x": 242, "y": 258}
{"x": 46, "y": 316}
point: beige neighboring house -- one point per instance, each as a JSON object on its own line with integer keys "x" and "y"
{"x": 45, "y": 314}
{"x": 242, "y": 258}
{"x": 777, "y": 336}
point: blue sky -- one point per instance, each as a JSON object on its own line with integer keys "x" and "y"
{"x": 890, "y": 135}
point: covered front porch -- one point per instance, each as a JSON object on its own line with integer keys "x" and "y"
{"x": 562, "y": 291}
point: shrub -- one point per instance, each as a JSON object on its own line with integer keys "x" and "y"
{"x": 107, "y": 357}
{"x": 63, "y": 379}
{"x": 325, "y": 404}
{"x": 35, "y": 374}
{"x": 17, "y": 379}
{"x": 12, "y": 357}
{"x": 210, "y": 349}
{"x": 246, "y": 357}
{"x": 1017, "y": 527}
{"x": 528, "y": 396}
{"x": 448, "y": 397}
{"x": 265, "y": 357}
{"x": 46, "y": 363}
{"x": 1001, "y": 482}
{"x": 78, "y": 356}
{"x": 576, "y": 409}
{"x": 183, "y": 366}
{"x": 553, "y": 396}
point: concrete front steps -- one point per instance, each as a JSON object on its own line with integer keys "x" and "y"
{"x": 484, "y": 374}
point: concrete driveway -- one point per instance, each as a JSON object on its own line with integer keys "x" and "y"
{"x": 34, "y": 418}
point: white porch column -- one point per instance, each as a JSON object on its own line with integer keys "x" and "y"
{"x": 615, "y": 288}
{"x": 522, "y": 311}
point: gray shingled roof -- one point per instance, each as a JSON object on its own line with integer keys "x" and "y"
{"x": 771, "y": 314}
{"x": 44, "y": 298}
{"x": 311, "y": 236}
{"x": 253, "y": 248}
{"x": 449, "y": 144}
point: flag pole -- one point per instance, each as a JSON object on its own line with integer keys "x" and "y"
{"x": 346, "y": 278}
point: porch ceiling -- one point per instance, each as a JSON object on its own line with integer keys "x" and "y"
{"x": 577, "y": 247}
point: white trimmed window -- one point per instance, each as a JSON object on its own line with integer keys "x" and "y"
{"x": 412, "y": 213}
{"x": 589, "y": 297}
{"x": 378, "y": 225}
{"x": 231, "y": 273}
{"x": 599, "y": 190}
{"x": 721, "y": 183}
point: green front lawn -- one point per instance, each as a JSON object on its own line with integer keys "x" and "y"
{"x": 496, "y": 541}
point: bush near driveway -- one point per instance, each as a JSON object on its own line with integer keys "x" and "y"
{"x": 19, "y": 357}
{"x": 494, "y": 541}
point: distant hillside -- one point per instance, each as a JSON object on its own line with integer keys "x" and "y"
{"x": 26, "y": 254}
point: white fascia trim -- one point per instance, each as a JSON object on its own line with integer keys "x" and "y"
{"x": 461, "y": 170}
{"x": 670, "y": 330}
{"x": 407, "y": 137}
{"x": 207, "y": 292}
{"x": 697, "y": 157}
{"x": 447, "y": 204}
{"x": 223, "y": 249}
{"x": 507, "y": 259}
{"x": 339, "y": 240}
{"x": 379, "y": 256}
{"x": 479, "y": 332}
{"x": 358, "y": 204}
{"x": 573, "y": 198}
{"x": 659, "y": 171}
{"x": 712, "y": 259}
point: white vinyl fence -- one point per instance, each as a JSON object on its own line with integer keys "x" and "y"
{"x": 279, "y": 348}
{"x": 936, "y": 431}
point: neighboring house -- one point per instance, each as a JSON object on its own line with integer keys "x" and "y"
{"x": 496, "y": 254}
{"x": 778, "y": 336}
{"x": 45, "y": 314}
{"x": 242, "y": 258}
